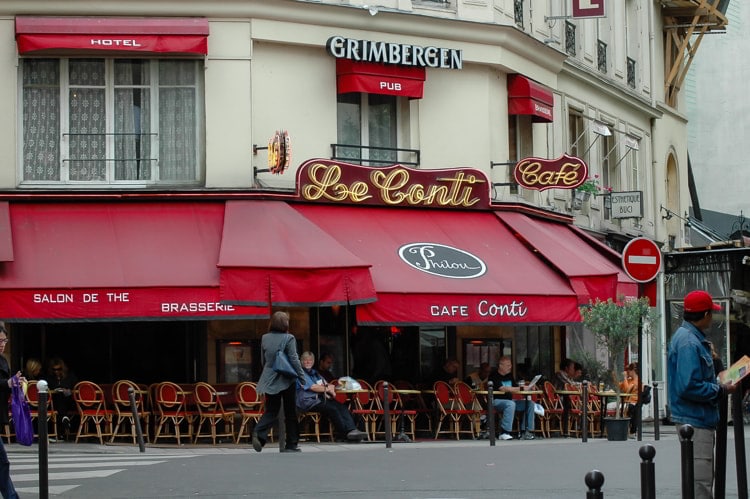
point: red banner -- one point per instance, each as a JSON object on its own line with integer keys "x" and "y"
{"x": 155, "y": 44}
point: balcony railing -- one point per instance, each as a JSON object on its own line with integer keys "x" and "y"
{"x": 631, "y": 72}
{"x": 570, "y": 38}
{"x": 601, "y": 56}
{"x": 374, "y": 156}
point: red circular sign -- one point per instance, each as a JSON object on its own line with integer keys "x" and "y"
{"x": 641, "y": 259}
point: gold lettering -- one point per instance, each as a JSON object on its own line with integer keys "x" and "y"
{"x": 326, "y": 185}
{"x": 532, "y": 174}
{"x": 390, "y": 184}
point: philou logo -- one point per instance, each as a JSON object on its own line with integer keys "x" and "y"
{"x": 441, "y": 260}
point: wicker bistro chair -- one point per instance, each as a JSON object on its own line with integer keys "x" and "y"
{"x": 553, "y": 409}
{"x": 32, "y": 397}
{"x": 450, "y": 408}
{"x": 250, "y": 405}
{"x": 124, "y": 411}
{"x": 365, "y": 407}
{"x": 171, "y": 410}
{"x": 211, "y": 411}
{"x": 468, "y": 400}
{"x": 92, "y": 408}
{"x": 398, "y": 414}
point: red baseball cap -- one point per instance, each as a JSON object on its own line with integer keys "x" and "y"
{"x": 700, "y": 301}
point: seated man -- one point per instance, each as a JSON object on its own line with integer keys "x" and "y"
{"x": 503, "y": 379}
{"x": 324, "y": 367}
{"x": 317, "y": 396}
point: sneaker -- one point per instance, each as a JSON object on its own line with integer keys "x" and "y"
{"x": 257, "y": 444}
{"x": 505, "y": 436}
{"x": 528, "y": 436}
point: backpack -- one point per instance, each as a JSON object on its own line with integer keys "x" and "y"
{"x": 646, "y": 395}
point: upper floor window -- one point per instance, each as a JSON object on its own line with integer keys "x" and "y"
{"x": 104, "y": 121}
{"x": 601, "y": 56}
{"x": 570, "y": 38}
{"x": 518, "y": 12}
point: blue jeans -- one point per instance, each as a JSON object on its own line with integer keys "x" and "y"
{"x": 6, "y": 484}
{"x": 509, "y": 409}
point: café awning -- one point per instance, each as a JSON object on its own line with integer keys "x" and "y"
{"x": 527, "y": 97}
{"x": 377, "y": 78}
{"x": 6, "y": 238}
{"x": 115, "y": 261}
{"x": 272, "y": 255}
{"x": 142, "y": 35}
{"x": 446, "y": 267}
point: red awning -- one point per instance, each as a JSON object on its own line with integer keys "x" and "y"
{"x": 591, "y": 275}
{"x": 530, "y": 98}
{"x": 494, "y": 278}
{"x": 6, "y": 238}
{"x": 375, "y": 78}
{"x": 626, "y": 287}
{"x": 60, "y": 35}
{"x": 115, "y": 261}
{"x": 271, "y": 255}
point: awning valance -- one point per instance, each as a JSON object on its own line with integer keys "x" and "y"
{"x": 272, "y": 255}
{"x": 446, "y": 267}
{"x": 115, "y": 261}
{"x": 376, "y": 78}
{"x": 61, "y": 35}
{"x": 6, "y": 237}
{"x": 527, "y": 97}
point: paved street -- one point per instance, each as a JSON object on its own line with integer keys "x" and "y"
{"x": 425, "y": 469}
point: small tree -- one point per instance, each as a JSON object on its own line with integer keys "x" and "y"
{"x": 615, "y": 326}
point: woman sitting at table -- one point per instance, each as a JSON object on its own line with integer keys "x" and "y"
{"x": 316, "y": 395}
{"x": 629, "y": 384}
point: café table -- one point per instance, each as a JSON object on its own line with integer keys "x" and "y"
{"x": 401, "y": 433}
{"x": 604, "y": 396}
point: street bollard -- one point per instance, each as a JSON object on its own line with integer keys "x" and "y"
{"x": 491, "y": 413}
{"x": 686, "y": 452}
{"x": 655, "y": 397}
{"x": 739, "y": 445}
{"x": 648, "y": 472}
{"x": 43, "y": 442}
{"x": 594, "y": 480}
{"x": 387, "y": 417}
{"x": 720, "y": 459}
{"x": 282, "y": 427}
{"x": 584, "y": 411}
{"x": 136, "y": 419}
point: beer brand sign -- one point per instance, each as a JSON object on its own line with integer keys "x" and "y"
{"x": 441, "y": 260}
{"x": 335, "y": 182}
{"x": 565, "y": 172}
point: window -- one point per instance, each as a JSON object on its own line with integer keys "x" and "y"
{"x": 601, "y": 56}
{"x": 576, "y": 134}
{"x": 520, "y": 145}
{"x": 518, "y": 13}
{"x": 367, "y": 128}
{"x": 111, "y": 121}
{"x": 570, "y": 38}
{"x": 609, "y": 166}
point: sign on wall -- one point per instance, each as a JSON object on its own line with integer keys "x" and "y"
{"x": 626, "y": 204}
{"x": 565, "y": 172}
{"x": 588, "y": 8}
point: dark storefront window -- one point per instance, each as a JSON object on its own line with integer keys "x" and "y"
{"x": 104, "y": 352}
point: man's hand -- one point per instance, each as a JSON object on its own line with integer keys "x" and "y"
{"x": 729, "y": 387}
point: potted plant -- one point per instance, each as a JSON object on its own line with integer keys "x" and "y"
{"x": 591, "y": 186}
{"x": 615, "y": 325}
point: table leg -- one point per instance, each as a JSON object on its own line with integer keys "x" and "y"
{"x": 566, "y": 415}
{"x": 401, "y": 433}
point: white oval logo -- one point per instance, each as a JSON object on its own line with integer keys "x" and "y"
{"x": 441, "y": 260}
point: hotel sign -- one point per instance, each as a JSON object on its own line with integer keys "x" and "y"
{"x": 565, "y": 172}
{"x": 335, "y": 182}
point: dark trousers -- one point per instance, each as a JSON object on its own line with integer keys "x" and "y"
{"x": 337, "y": 413}
{"x": 273, "y": 404}
{"x": 6, "y": 484}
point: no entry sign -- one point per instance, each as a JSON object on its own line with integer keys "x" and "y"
{"x": 641, "y": 259}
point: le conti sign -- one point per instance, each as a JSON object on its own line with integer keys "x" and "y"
{"x": 335, "y": 182}
{"x": 565, "y": 172}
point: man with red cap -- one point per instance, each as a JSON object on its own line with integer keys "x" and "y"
{"x": 694, "y": 392}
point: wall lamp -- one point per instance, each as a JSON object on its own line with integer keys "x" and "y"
{"x": 668, "y": 214}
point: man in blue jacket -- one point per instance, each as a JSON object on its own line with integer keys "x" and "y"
{"x": 694, "y": 392}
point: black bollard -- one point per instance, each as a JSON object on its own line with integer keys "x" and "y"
{"x": 648, "y": 472}
{"x": 686, "y": 452}
{"x": 739, "y": 445}
{"x": 594, "y": 480}
{"x": 136, "y": 420}
{"x": 491, "y": 413}
{"x": 282, "y": 427}
{"x": 720, "y": 456}
{"x": 387, "y": 417}
{"x": 584, "y": 411}
{"x": 655, "y": 397}
{"x": 43, "y": 395}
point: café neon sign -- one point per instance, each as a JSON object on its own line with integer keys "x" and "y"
{"x": 335, "y": 182}
{"x": 565, "y": 172}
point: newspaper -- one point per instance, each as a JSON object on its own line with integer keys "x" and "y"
{"x": 737, "y": 371}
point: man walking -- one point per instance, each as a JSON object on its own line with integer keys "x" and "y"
{"x": 694, "y": 392}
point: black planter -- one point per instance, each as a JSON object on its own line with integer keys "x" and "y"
{"x": 617, "y": 428}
